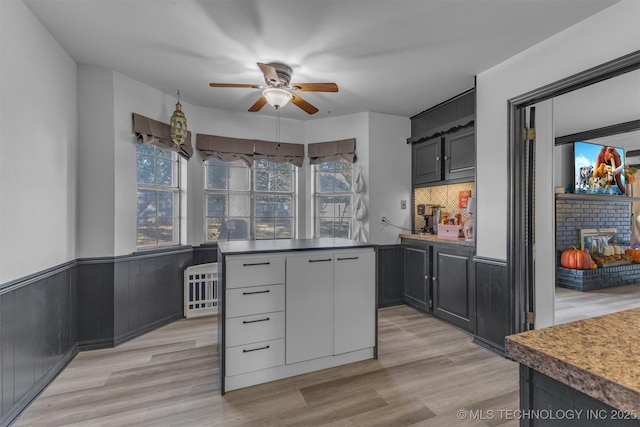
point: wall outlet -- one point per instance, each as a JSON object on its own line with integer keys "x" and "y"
{"x": 403, "y": 204}
{"x": 383, "y": 220}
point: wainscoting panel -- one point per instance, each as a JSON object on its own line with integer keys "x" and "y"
{"x": 46, "y": 318}
{"x": 205, "y": 254}
{"x": 493, "y": 306}
{"x": 148, "y": 292}
{"x": 95, "y": 303}
{"x": 37, "y": 335}
{"x": 389, "y": 275}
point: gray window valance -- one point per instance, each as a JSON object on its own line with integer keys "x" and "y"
{"x": 225, "y": 148}
{"x": 333, "y": 150}
{"x": 158, "y": 134}
{"x": 279, "y": 152}
{"x": 230, "y": 149}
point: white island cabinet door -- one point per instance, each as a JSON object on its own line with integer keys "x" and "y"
{"x": 309, "y": 312}
{"x": 354, "y": 300}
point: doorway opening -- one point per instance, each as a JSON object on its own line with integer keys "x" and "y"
{"x": 521, "y": 184}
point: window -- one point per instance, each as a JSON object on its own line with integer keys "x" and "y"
{"x": 158, "y": 197}
{"x": 333, "y": 199}
{"x": 249, "y": 203}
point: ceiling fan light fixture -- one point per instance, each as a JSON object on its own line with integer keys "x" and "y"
{"x": 276, "y": 97}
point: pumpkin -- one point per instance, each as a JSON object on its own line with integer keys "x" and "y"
{"x": 576, "y": 259}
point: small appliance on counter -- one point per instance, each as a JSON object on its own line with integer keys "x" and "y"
{"x": 431, "y": 215}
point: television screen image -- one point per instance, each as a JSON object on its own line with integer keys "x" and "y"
{"x": 598, "y": 169}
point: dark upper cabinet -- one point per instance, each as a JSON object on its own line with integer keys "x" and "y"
{"x": 453, "y": 290}
{"x": 460, "y": 154}
{"x": 443, "y": 139}
{"x": 415, "y": 262}
{"x": 442, "y": 117}
{"x": 427, "y": 161}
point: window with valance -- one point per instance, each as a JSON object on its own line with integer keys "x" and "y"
{"x": 231, "y": 149}
{"x": 331, "y": 151}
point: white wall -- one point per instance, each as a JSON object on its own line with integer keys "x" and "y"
{"x": 96, "y": 167}
{"x": 605, "y": 103}
{"x": 38, "y": 137}
{"x": 390, "y": 176}
{"x": 605, "y": 36}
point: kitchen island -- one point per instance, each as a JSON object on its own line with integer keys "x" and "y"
{"x": 289, "y": 307}
{"x": 591, "y": 365}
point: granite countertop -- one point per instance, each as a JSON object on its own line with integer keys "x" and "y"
{"x": 599, "y": 356}
{"x": 436, "y": 239}
{"x": 237, "y": 247}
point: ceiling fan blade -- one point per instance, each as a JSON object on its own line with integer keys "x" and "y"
{"x": 270, "y": 73}
{"x": 235, "y": 85}
{"x": 258, "y": 105}
{"x": 304, "y": 105}
{"x": 315, "y": 87}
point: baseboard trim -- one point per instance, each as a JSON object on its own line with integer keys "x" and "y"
{"x": 23, "y": 403}
{"x": 147, "y": 328}
{"x": 489, "y": 345}
{"x": 100, "y": 344}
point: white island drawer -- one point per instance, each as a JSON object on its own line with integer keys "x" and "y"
{"x": 253, "y": 357}
{"x": 254, "y": 271}
{"x": 254, "y": 300}
{"x": 250, "y": 329}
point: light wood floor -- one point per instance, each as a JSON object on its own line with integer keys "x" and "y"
{"x": 574, "y": 305}
{"x": 426, "y": 372}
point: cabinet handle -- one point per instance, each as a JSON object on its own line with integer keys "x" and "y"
{"x": 320, "y": 260}
{"x": 255, "y": 349}
{"x": 446, "y": 157}
{"x": 255, "y": 263}
{"x": 435, "y": 278}
{"x": 348, "y": 258}
{"x": 256, "y": 292}
{"x": 254, "y": 321}
{"x": 437, "y": 158}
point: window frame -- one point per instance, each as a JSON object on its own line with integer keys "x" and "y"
{"x": 317, "y": 194}
{"x": 253, "y": 195}
{"x": 175, "y": 189}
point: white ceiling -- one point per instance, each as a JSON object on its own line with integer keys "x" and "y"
{"x": 388, "y": 56}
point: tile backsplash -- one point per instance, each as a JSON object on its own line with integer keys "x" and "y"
{"x": 443, "y": 195}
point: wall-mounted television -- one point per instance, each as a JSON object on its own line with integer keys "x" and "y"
{"x": 598, "y": 169}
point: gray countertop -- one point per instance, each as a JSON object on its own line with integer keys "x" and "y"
{"x": 239, "y": 247}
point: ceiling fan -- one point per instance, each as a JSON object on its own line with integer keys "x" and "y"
{"x": 279, "y": 91}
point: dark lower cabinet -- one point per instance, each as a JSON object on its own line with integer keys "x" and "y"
{"x": 415, "y": 265}
{"x": 453, "y": 290}
{"x": 550, "y": 403}
{"x": 438, "y": 279}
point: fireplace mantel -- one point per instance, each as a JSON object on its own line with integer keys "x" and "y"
{"x": 596, "y": 197}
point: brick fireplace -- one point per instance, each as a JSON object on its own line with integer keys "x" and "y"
{"x": 575, "y": 214}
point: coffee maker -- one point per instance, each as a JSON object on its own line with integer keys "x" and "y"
{"x": 431, "y": 215}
